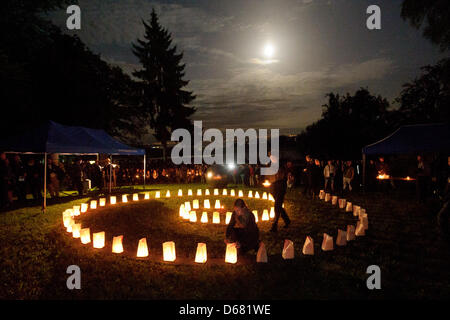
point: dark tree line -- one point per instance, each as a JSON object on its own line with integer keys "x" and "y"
{"x": 48, "y": 75}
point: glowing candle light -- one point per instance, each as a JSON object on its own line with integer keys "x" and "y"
{"x": 117, "y": 246}
{"x": 168, "y": 194}
{"x": 199, "y": 192}
{"x": 195, "y": 204}
{"x": 84, "y": 207}
{"x": 322, "y": 194}
{"x": 147, "y": 196}
{"x": 349, "y": 207}
{"x": 264, "y": 196}
{"x": 180, "y": 192}
{"x": 158, "y": 194}
{"x": 272, "y": 213}
{"x": 181, "y": 212}
{"x": 342, "y": 203}
{"x": 187, "y": 206}
{"x": 265, "y": 215}
{"x": 142, "y": 250}
{"x": 76, "y": 228}
{"x": 266, "y": 183}
{"x": 228, "y": 217}
{"x": 232, "y": 193}
{"x": 255, "y": 213}
{"x": 207, "y": 192}
{"x": 240, "y": 194}
{"x": 98, "y": 239}
{"x": 250, "y": 194}
{"x": 257, "y": 195}
{"x": 169, "y": 253}
{"x": 271, "y": 197}
{"x": 113, "y": 200}
{"x": 231, "y": 253}
{"x": 70, "y": 225}
{"x": 102, "y": 202}
{"x": 216, "y": 192}
{"x": 217, "y": 204}
{"x": 216, "y": 217}
{"x": 334, "y": 200}
{"x": 67, "y": 220}
{"x": 135, "y": 197}
{"x": 85, "y": 235}
{"x": 225, "y": 192}
{"x": 76, "y": 210}
{"x": 206, "y": 204}
{"x": 201, "y": 254}
{"x": 190, "y": 192}
{"x": 124, "y": 198}
{"x": 193, "y": 216}
{"x": 204, "y": 218}
{"x": 94, "y": 204}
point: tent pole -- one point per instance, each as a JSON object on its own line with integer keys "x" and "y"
{"x": 45, "y": 183}
{"x": 145, "y": 156}
{"x": 110, "y": 172}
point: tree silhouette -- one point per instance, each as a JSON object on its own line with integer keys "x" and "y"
{"x": 432, "y": 16}
{"x": 161, "y": 86}
{"x": 348, "y": 123}
{"x": 427, "y": 98}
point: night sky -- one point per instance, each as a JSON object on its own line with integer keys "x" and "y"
{"x": 319, "y": 46}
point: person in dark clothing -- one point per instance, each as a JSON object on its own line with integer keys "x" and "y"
{"x": 33, "y": 179}
{"x": 278, "y": 190}
{"x": 20, "y": 175}
{"x": 242, "y": 228}
{"x": 4, "y": 202}
{"x": 308, "y": 172}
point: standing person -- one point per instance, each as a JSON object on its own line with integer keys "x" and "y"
{"x": 308, "y": 176}
{"x": 278, "y": 190}
{"x": 33, "y": 179}
{"x": 251, "y": 170}
{"x": 20, "y": 175}
{"x": 316, "y": 177}
{"x": 423, "y": 180}
{"x": 349, "y": 175}
{"x": 52, "y": 178}
{"x": 242, "y": 228}
{"x": 328, "y": 173}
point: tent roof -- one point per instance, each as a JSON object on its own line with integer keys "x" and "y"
{"x": 413, "y": 139}
{"x": 53, "y": 137}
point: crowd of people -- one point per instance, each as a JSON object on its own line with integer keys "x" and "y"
{"x": 23, "y": 175}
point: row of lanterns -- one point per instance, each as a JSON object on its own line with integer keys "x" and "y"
{"x": 187, "y": 213}
{"x": 363, "y": 219}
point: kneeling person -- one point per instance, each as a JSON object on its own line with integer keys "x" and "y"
{"x": 242, "y": 228}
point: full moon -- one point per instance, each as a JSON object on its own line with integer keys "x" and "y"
{"x": 268, "y": 50}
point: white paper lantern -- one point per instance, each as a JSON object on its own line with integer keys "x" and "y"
{"x": 327, "y": 243}
{"x": 265, "y": 215}
{"x": 288, "y": 250}
{"x": 195, "y": 204}
{"x": 135, "y": 197}
{"x": 102, "y": 202}
{"x": 231, "y": 253}
{"x": 85, "y": 235}
{"x": 193, "y": 216}
{"x": 255, "y": 213}
{"x": 93, "y": 204}
{"x": 169, "y": 253}
{"x": 98, "y": 239}
{"x": 142, "y": 248}
{"x": 117, "y": 246}
{"x": 308, "y": 246}
{"x": 124, "y": 198}
{"x": 261, "y": 255}
{"x": 216, "y": 217}
{"x": 201, "y": 254}
{"x": 232, "y": 193}
{"x": 204, "y": 218}
{"x": 217, "y": 204}
{"x": 228, "y": 217}
{"x": 216, "y": 192}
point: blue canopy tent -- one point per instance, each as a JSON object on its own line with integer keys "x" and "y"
{"x": 53, "y": 137}
{"x": 411, "y": 139}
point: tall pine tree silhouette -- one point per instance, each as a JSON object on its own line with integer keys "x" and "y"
{"x": 161, "y": 82}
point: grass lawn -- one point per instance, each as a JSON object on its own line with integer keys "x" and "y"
{"x": 402, "y": 239}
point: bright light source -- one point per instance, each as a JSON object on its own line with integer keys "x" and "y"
{"x": 231, "y": 166}
{"x": 209, "y": 175}
{"x": 269, "y": 50}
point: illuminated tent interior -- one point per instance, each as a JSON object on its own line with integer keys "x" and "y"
{"x": 53, "y": 137}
